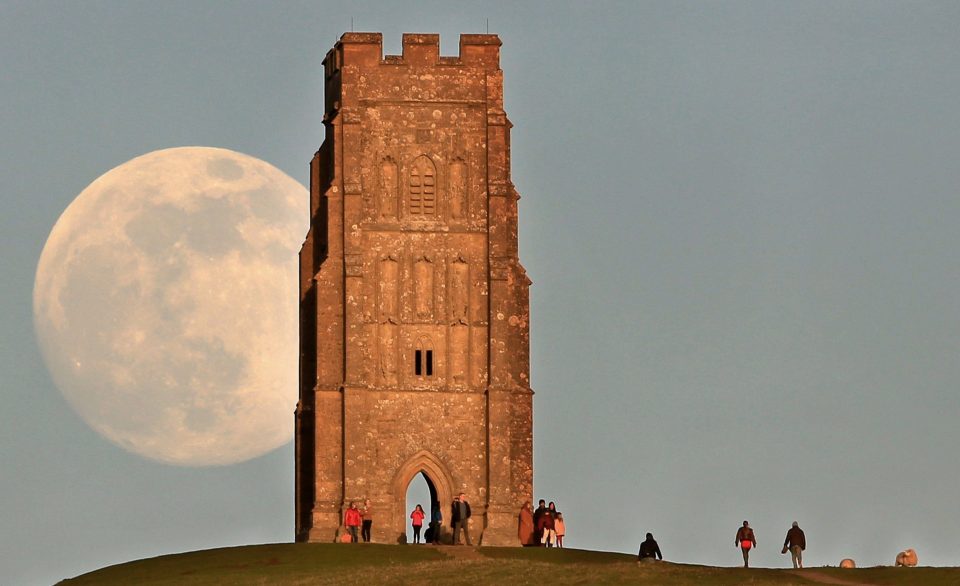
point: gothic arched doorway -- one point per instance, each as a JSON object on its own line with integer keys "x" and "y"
{"x": 424, "y": 469}
{"x": 421, "y": 491}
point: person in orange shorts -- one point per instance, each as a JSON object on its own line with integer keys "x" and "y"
{"x": 746, "y": 541}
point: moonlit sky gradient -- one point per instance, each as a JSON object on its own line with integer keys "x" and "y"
{"x": 740, "y": 218}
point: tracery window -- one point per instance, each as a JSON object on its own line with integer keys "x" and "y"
{"x": 423, "y": 187}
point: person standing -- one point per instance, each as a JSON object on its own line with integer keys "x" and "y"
{"x": 352, "y": 520}
{"x": 367, "y": 515}
{"x": 548, "y": 533}
{"x": 436, "y": 520}
{"x": 417, "y": 517}
{"x": 537, "y": 521}
{"x": 796, "y": 542}
{"x": 746, "y": 541}
{"x": 649, "y": 550}
{"x": 561, "y": 528}
{"x": 526, "y": 530}
{"x": 461, "y": 519}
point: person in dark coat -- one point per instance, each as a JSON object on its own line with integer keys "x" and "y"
{"x": 796, "y": 542}
{"x": 460, "y": 516}
{"x": 537, "y": 524}
{"x": 436, "y": 519}
{"x": 649, "y": 550}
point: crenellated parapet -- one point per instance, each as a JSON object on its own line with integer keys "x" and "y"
{"x": 419, "y": 50}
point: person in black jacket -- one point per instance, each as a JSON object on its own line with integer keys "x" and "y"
{"x": 649, "y": 550}
{"x": 537, "y": 524}
{"x": 796, "y": 542}
{"x": 459, "y": 516}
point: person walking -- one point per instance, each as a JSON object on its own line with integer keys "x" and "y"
{"x": 417, "y": 516}
{"x": 460, "y": 515}
{"x": 649, "y": 550}
{"x": 561, "y": 528}
{"x": 367, "y": 515}
{"x": 796, "y": 542}
{"x": 352, "y": 521}
{"x": 746, "y": 541}
{"x": 526, "y": 531}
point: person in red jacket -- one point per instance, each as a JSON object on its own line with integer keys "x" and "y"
{"x": 417, "y": 515}
{"x": 548, "y": 534}
{"x": 352, "y": 521}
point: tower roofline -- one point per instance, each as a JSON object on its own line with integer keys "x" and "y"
{"x": 419, "y": 49}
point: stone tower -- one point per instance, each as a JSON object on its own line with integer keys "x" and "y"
{"x": 414, "y": 307}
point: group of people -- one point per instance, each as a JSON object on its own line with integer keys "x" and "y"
{"x": 795, "y": 543}
{"x": 358, "y": 520}
{"x": 459, "y": 516}
{"x": 544, "y": 527}
{"x": 746, "y": 540}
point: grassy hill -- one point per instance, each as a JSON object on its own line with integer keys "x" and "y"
{"x": 307, "y": 564}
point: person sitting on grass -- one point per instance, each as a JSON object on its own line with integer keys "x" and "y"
{"x": 649, "y": 550}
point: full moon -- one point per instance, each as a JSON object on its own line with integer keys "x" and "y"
{"x": 165, "y": 304}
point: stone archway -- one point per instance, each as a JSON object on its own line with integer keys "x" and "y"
{"x": 438, "y": 480}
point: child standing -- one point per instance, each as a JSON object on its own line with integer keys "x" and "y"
{"x": 560, "y": 527}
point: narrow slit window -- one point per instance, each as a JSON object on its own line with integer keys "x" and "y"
{"x": 429, "y": 362}
{"x": 418, "y": 363}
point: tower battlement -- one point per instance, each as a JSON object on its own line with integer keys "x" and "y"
{"x": 419, "y": 50}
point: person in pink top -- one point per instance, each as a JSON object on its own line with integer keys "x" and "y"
{"x": 417, "y": 515}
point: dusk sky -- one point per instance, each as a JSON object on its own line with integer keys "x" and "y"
{"x": 740, "y": 220}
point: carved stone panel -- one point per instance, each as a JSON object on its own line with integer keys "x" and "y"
{"x": 423, "y": 278}
{"x": 458, "y": 189}
{"x": 459, "y": 354}
{"x": 388, "y": 352}
{"x": 389, "y": 290}
{"x": 459, "y": 296}
{"x": 389, "y": 184}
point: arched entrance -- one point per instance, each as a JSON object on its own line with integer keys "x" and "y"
{"x": 439, "y": 488}
{"x": 421, "y": 491}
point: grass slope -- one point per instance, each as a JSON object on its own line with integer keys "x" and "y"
{"x": 307, "y": 564}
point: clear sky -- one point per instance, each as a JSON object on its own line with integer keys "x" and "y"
{"x": 740, "y": 219}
